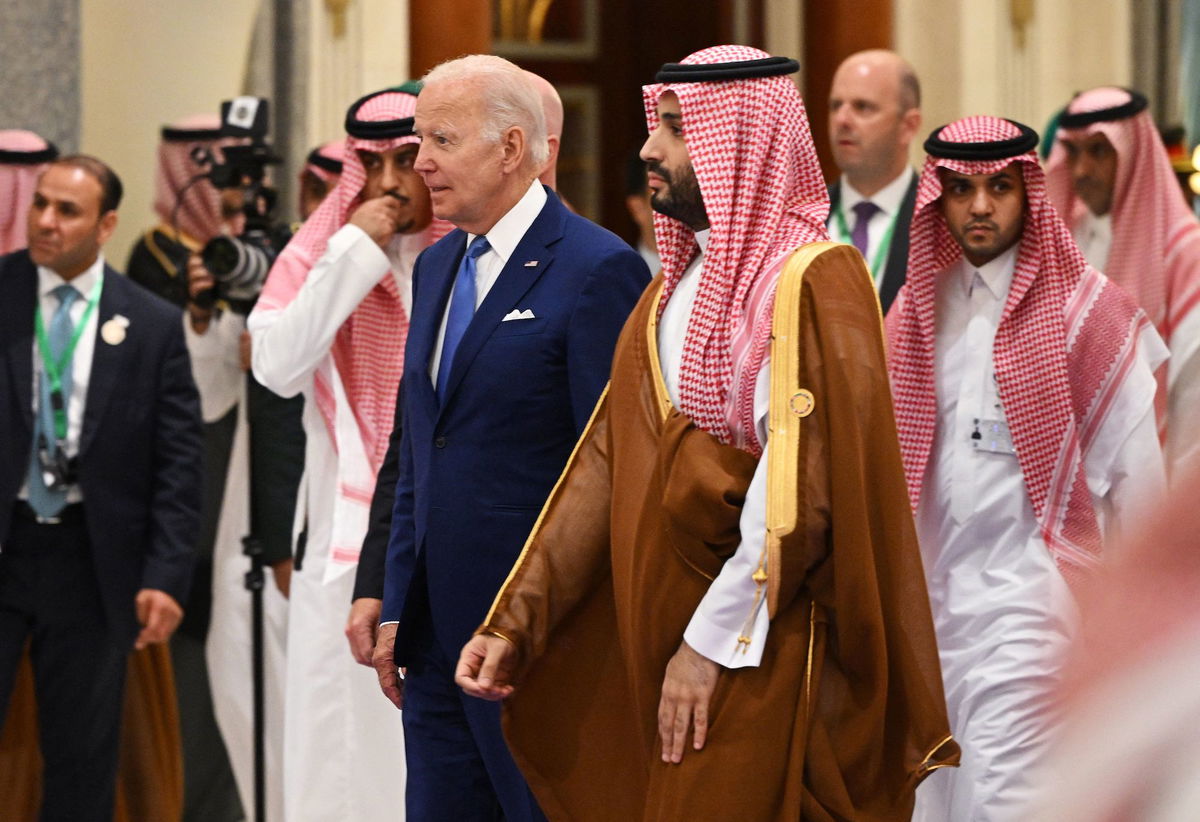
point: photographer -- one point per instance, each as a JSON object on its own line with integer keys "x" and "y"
{"x": 202, "y": 197}
{"x": 158, "y": 260}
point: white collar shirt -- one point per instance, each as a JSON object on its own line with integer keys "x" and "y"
{"x": 81, "y": 360}
{"x": 503, "y": 239}
{"x": 1094, "y": 237}
{"x": 889, "y": 199}
{"x": 729, "y": 613}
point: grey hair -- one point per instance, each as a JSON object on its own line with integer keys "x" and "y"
{"x": 509, "y": 98}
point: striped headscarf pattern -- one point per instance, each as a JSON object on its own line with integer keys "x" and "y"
{"x": 758, "y": 173}
{"x": 1155, "y": 252}
{"x": 368, "y": 351}
{"x": 198, "y": 213}
{"x": 23, "y": 155}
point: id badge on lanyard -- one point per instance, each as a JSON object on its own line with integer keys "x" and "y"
{"x": 990, "y": 433}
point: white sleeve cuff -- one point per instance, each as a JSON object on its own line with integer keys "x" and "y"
{"x": 720, "y": 643}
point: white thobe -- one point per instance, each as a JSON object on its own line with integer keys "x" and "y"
{"x": 728, "y": 610}
{"x": 1094, "y": 235}
{"x": 344, "y": 743}
{"x": 1002, "y": 610}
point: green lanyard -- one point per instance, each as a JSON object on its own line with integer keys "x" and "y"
{"x": 884, "y": 244}
{"x": 54, "y": 370}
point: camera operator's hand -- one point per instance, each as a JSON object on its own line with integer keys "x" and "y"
{"x": 245, "y": 354}
{"x": 379, "y": 218}
{"x": 282, "y": 571}
{"x": 198, "y": 280}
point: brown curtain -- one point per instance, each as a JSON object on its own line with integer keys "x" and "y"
{"x": 150, "y": 776}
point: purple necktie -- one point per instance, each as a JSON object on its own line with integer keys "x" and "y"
{"x": 863, "y": 212}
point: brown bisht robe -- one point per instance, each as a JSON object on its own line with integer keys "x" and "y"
{"x": 845, "y": 715}
{"x": 150, "y": 769}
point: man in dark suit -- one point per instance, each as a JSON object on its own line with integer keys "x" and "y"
{"x": 874, "y": 113}
{"x": 515, "y": 316}
{"x": 99, "y": 478}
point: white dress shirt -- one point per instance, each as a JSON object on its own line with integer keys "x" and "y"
{"x": 1094, "y": 237}
{"x": 889, "y": 199}
{"x": 728, "y": 607}
{"x": 503, "y": 239}
{"x": 81, "y": 360}
{"x": 1002, "y": 610}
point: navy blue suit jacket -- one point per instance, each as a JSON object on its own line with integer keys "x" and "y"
{"x": 475, "y": 471}
{"x": 140, "y": 448}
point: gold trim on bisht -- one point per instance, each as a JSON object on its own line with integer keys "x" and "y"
{"x": 185, "y": 240}
{"x": 537, "y": 526}
{"x": 656, "y": 374}
{"x": 790, "y": 404}
{"x": 925, "y": 768}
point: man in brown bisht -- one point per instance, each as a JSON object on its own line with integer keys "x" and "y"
{"x": 728, "y": 564}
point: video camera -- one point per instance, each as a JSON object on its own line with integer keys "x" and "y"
{"x": 239, "y": 265}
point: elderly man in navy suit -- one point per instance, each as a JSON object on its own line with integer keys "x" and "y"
{"x": 515, "y": 316}
{"x": 99, "y": 478}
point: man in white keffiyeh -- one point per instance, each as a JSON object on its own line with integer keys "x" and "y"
{"x": 1024, "y": 390}
{"x": 1111, "y": 179}
{"x": 331, "y": 323}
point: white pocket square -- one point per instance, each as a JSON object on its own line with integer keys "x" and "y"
{"x": 527, "y": 314}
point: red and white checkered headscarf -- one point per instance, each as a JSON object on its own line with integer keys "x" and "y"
{"x": 368, "y": 351}
{"x": 23, "y": 155}
{"x": 757, "y": 168}
{"x": 199, "y": 212}
{"x": 1155, "y": 252}
{"x": 1066, "y": 340}
{"x": 333, "y": 151}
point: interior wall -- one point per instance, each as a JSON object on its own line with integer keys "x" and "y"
{"x": 145, "y": 63}
{"x": 39, "y": 52}
{"x": 148, "y": 62}
{"x": 371, "y": 53}
{"x": 972, "y": 60}
{"x": 783, "y": 30}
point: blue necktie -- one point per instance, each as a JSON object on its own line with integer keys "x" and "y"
{"x": 462, "y": 309}
{"x": 47, "y": 502}
{"x": 863, "y": 213}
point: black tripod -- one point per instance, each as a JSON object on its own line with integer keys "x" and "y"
{"x": 255, "y": 580}
{"x": 276, "y": 463}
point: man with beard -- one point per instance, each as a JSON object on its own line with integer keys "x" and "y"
{"x": 874, "y": 114}
{"x": 1024, "y": 391}
{"x": 712, "y": 610}
{"x": 331, "y": 323}
{"x": 1110, "y": 177}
